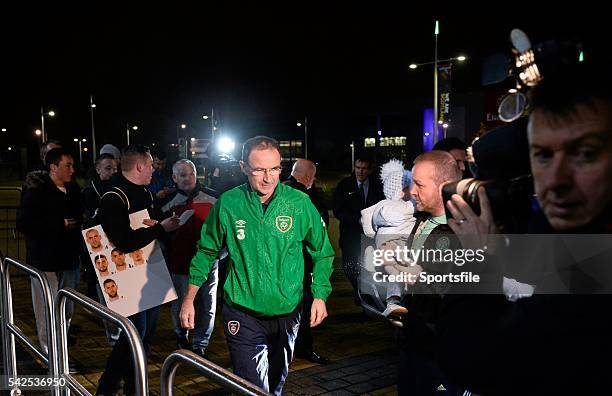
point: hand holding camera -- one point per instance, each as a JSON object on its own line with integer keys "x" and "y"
{"x": 466, "y": 222}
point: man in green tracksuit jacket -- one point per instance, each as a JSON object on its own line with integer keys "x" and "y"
{"x": 264, "y": 225}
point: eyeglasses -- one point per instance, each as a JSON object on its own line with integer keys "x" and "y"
{"x": 260, "y": 171}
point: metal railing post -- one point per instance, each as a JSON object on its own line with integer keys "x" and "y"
{"x": 10, "y": 330}
{"x": 218, "y": 374}
{"x": 128, "y": 328}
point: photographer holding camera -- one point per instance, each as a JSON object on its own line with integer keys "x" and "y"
{"x": 544, "y": 344}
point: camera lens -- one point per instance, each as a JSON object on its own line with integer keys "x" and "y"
{"x": 467, "y": 189}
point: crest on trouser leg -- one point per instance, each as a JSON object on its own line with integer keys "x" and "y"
{"x": 233, "y": 326}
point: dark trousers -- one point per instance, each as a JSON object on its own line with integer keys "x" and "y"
{"x": 350, "y": 244}
{"x": 120, "y": 364}
{"x": 351, "y": 264}
{"x": 419, "y": 375}
{"x": 261, "y": 348}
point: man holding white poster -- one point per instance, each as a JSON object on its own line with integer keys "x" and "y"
{"x": 127, "y": 196}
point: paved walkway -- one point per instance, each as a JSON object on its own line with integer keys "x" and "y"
{"x": 360, "y": 350}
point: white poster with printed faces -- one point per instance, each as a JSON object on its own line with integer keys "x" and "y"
{"x": 131, "y": 282}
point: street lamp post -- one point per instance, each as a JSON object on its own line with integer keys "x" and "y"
{"x": 435, "y": 63}
{"x": 181, "y": 126}
{"x": 92, "y": 106}
{"x": 80, "y": 141}
{"x": 352, "y": 155}
{"x": 213, "y": 128}
{"x": 38, "y": 133}
{"x": 436, "y": 120}
{"x": 127, "y": 130}
{"x": 305, "y": 136}
{"x": 51, "y": 113}
{"x": 178, "y": 139}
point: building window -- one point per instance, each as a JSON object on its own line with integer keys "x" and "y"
{"x": 392, "y": 141}
{"x": 291, "y": 149}
{"x": 369, "y": 142}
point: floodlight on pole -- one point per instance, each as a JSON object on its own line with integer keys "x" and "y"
{"x": 226, "y": 145}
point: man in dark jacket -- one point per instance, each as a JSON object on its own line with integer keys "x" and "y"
{"x": 106, "y": 167}
{"x": 353, "y": 194}
{"x": 129, "y": 194}
{"x": 50, "y": 216}
{"x": 302, "y": 178}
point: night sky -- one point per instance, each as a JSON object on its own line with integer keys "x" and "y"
{"x": 262, "y": 71}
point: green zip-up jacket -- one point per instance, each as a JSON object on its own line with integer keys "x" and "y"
{"x": 266, "y": 262}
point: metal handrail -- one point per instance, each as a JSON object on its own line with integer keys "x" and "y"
{"x": 8, "y": 225}
{"x": 10, "y": 330}
{"x": 129, "y": 330}
{"x": 10, "y": 188}
{"x": 218, "y": 374}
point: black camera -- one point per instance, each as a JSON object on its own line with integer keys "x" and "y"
{"x": 500, "y": 164}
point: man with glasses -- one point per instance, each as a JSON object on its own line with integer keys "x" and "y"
{"x": 263, "y": 224}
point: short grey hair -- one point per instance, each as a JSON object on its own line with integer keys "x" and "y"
{"x": 302, "y": 167}
{"x": 445, "y": 169}
{"x": 175, "y": 167}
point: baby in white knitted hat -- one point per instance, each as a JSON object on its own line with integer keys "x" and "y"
{"x": 390, "y": 222}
